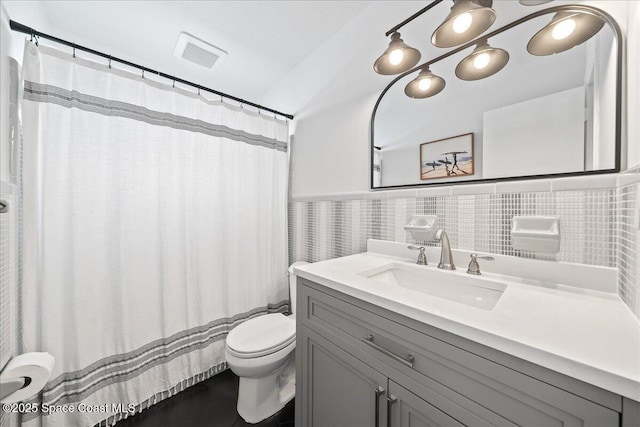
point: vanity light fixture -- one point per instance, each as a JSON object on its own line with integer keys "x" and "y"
{"x": 467, "y": 20}
{"x": 566, "y": 30}
{"x": 426, "y": 84}
{"x": 483, "y": 62}
{"x": 397, "y": 58}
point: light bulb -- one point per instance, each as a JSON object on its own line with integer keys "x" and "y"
{"x": 481, "y": 61}
{"x": 462, "y": 23}
{"x": 563, "y": 29}
{"x": 396, "y": 57}
{"x": 424, "y": 84}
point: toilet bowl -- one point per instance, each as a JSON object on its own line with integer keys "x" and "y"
{"x": 261, "y": 352}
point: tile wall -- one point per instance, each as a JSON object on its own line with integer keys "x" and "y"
{"x": 628, "y": 241}
{"x": 596, "y": 219}
{"x": 11, "y": 233}
{"x": 9, "y": 279}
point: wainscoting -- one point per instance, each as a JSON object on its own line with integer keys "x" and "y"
{"x": 596, "y": 214}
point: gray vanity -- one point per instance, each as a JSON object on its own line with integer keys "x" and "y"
{"x": 360, "y": 364}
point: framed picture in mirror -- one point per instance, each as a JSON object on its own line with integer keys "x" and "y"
{"x": 447, "y": 158}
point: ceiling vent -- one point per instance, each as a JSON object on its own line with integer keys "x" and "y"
{"x": 199, "y": 52}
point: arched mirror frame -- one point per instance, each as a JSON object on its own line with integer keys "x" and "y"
{"x": 551, "y": 10}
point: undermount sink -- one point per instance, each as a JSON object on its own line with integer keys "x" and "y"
{"x": 472, "y": 291}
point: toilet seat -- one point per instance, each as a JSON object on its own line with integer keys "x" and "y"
{"x": 261, "y": 336}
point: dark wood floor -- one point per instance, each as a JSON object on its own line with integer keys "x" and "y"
{"x": 211, "y": 403}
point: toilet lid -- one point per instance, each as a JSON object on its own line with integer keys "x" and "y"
{"x": 262, "y": 335}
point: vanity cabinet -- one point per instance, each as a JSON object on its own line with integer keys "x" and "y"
{"x": 405, "y": 409}
{"x": 341, "y": 390}
{"x": 361, "y": 365}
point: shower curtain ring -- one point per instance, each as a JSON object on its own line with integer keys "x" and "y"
{"x": 109, "y": 62}
{"x": 143, "y": 74}
{"x": 74, "y": 51}
{"x": 174, "y": 84}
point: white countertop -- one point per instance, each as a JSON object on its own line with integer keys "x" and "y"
{"x": 588, "y": 335}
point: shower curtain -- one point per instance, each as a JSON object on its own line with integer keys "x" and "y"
{"x": 154, "y": 222}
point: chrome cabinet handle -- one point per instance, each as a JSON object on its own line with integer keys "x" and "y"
{"x": 390, "y": 401}
{"x": 408, "y": 361}
{"x": 379, "y": 392}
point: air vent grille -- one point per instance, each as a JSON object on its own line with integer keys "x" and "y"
{"x": 198, "y": 51}
{"x": 199, "y": 56}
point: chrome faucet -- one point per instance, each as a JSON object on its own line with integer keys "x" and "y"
{"x": 446, "y": 259}
{"x": 474, "y": 267}
{"x": 422, "y": 258}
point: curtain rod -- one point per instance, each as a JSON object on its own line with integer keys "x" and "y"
{"x": 21, "y": 28}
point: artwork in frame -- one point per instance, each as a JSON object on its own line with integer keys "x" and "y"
{"x": 447, "y": 158}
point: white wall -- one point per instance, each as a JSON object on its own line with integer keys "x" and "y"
{"x": 401, "y": 164}
{"x": 11, "y": 46}
{"x": 539, "y": 136}
{"x": 333, "y": 107}
{"x": 604, "y": 102}
{"x": 5, "y": 149}
{"x": 633, "y": 84}
{"x": 332, "y": 94}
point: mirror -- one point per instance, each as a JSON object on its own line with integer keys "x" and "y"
{"x": 539, "y": 116}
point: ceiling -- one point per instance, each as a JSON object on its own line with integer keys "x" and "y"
{"x": 264, "y": 39}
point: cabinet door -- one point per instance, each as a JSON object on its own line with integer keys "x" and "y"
{"x": 338, "y": 390}
{"x": 408, "y": 410}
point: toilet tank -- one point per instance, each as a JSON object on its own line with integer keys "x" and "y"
{"x": 292, "y": 285}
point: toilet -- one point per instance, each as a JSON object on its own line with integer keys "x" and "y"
{"x": 261, "y": 352}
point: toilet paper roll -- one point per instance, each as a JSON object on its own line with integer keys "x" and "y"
{"x": 37, "y": 367}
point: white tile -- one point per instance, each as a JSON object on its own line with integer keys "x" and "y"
{"x": 392, "y": 194}
{"x": 400, "y": 220}
{"x": 632, "y": 169}
{"x": 434, "y": 191}
{"x": 375, "y": 194}
{"x": 628, "y": 178}
{"x": 327, "y": 197}
{"x": 404, "y": 194}
{"x": 473, "y": 189}
{"x": 591, "y": 182}
{"x": 323, "y": 223}
{"x": 8, "y": 187}
{"x": 348, "y": 196}
{"x": 355, "y": 225}
{"x": 596, "y": 224}
{"x": 537, "y": 185}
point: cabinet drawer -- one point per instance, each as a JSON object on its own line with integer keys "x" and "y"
{"x": 458, "y": 382}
